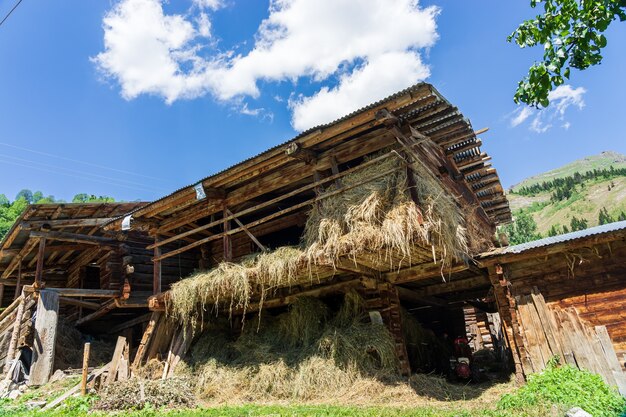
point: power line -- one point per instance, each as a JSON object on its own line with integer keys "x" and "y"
{"x": 81, "y": 173}
{"x": 72, "y": 176}
{"x": 80, "y": 162}
{"x": 10, "y": 11}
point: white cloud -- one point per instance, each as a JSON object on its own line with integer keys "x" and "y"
{"x": 564, "y": 96}
{"x": 561, "y": 98}
{"x": 150, "y": 52}
{"x": 209, "y": 4}
{"x": 364, "y": 85}
{"x": 521, "y": 114}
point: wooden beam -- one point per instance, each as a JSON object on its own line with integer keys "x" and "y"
{"x": 79, "y": 292}
{"x": 423, "y": 271}
{"x": 45, "y": 338}
{"x": 453, "y": 286}
{"x": 26, "y": 249}
{"x": 79, "y": 303}
{"x": 77, "y": 238}
{"x": 411, "y": 296}
{"x": 227, "y": 244}
{"x": 245, "y": 229}
{"x": 40, "y": 258}
{"x": 63, "y": 223}
{"x": 156, "y": 268}
{"x": 15, "y": 335}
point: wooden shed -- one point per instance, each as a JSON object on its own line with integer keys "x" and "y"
{"x": 565, "y": 297}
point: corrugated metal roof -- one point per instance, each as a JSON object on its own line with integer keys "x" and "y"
{"x": 548, "y": 241}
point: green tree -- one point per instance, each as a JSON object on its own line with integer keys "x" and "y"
{"x": 26, "y": 194}
{"x": 554, "y": 230}
{"x": 90, "y": 198}
{"x": 621, "y": 217}
{"x": 522, "y": 230}
{"x": 604, "y": 217}
{"x": 571, "y": 33}
{"x": 578, "y": 224}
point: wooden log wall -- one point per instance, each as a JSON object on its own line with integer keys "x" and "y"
{"x": 479, "y": 325}
{"x": 591, "y": 280}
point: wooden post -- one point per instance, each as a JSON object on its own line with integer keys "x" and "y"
{"x": 18, "y": 284}
{"x": 1, "y": 293}
{"x": 156, "y": 279}
{"x": 15, "y": 335}
{"x": 40, "y": 256}
{"x": 228, "y": 245}
{"x": 45, "y": 337}
{"x": 83, "y": 381}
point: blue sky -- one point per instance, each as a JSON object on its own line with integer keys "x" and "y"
{"x": 157, "y": 96}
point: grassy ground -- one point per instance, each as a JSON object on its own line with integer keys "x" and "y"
{"x": 547, "y": 394}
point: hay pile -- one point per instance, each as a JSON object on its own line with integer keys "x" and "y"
{"x": 379, "y": 217}
{"x": 69, "y": 345}
{"x": 376, "y": 219}
{"x": 308, "y": 352}
{"x": 135, "y": 394}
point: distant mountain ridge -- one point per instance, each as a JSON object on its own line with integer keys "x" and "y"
{"x": 603, "y": 160}
{"x": 588, "y": 198}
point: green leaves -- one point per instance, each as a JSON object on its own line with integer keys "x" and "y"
{"x": 571, "y": 34}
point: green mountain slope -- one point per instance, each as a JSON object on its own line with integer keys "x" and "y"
{"x": 601, "y": 161}
{"x": 588, "y": 195}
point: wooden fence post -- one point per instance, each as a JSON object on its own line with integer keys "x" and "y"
{"x": 83, "y": 381}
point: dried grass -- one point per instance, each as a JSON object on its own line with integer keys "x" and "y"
{"x": 70, "y": 342}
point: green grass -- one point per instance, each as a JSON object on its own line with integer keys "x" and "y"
{"x": 549, "y": 393}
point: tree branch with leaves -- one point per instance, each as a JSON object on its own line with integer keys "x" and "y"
{"x": 571, "y": 32}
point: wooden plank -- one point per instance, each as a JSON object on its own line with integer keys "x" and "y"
{"x": 64, "y": 223}
{"x": 83, "y": 380}
{"x": 79, "y": 303}
{"x": 245, "y": 229}
{"x": 145, "y": 339}
{"x": 548, "y": 323}
{"x": 115, "y": 361}
{"x": 45, "y": 338}
{"x": 26, "y": 249}
{"x": 611, "y": 358}
{"x": 79, "y": 292}
{"x": 528, "y": 330}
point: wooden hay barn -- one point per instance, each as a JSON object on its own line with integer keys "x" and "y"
{"x": 266, "y": 204}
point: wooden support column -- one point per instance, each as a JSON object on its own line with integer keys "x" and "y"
{"x": 85, "y": 370}
{"x": 1, "y": 293}
{"x": 382, "y": 298}
{"x": 40, "y": 256}
{"x": 508, "y": 316}
{"x": 156, "y": 269}
{"x": 227, "y": 242}
{"x": 18, "y": 284}
{"x": 45, "y": 337}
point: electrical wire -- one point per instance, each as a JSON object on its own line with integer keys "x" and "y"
{"x": 79, "y": 162}
{"x": 70, "y": 175}
{"x": 10, "y": 11}
{"x": 82, "y": 173}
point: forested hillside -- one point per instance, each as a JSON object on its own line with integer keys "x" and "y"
{"x": 585, "y": 193}
{"x": 10, "y": 210}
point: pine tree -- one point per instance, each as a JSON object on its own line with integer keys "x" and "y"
{"x": 604, "y": 217}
